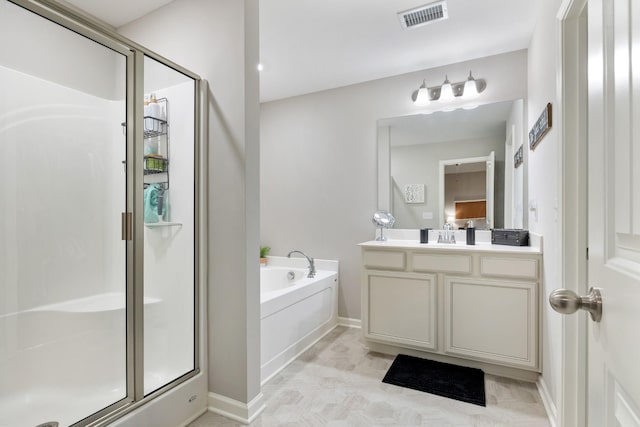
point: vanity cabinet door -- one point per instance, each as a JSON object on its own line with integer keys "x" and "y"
{"x": 400, "y": 308}
{"x": 492, "y": 320}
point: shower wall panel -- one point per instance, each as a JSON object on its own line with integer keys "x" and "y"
{"x": 33, "y": 54}
{"x": 62, "y": 181}
{"x": 62, "y": 263}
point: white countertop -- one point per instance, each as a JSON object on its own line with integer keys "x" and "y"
{"x": 457, "y": 247}
{"x": 409, "y": 239}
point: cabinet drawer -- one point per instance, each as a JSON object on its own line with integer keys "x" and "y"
{"x": 387, "y": 260}
{"x": 509, "y": 267}
{"x": 442, "y": 263}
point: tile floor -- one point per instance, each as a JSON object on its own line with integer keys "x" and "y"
{"x": 337, "y": 382}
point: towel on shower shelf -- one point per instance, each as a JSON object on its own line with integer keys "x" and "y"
{"x": 151, "y": 203}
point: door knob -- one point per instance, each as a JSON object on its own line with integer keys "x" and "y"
{"x": 566, "y": 301}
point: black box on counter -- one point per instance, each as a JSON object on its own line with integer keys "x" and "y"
{"x": 510, "y": 237}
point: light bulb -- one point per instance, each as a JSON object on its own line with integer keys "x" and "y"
{"x": 422, "y": 98}
{"x": 446, "y": 91}
{"x": 470, "y": 87}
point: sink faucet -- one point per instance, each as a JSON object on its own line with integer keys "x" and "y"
{"x": 449, "y": 235}
{"x": 312, "y": 266}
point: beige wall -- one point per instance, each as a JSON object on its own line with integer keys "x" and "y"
{"x": 218, "y": 39}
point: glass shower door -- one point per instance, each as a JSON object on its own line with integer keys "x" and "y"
{"x": 63, "y": 263}
{"x": 169, "y": 225}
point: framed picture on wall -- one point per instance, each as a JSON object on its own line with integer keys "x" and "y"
{"x": 414, "y": 193}
{"x": 518, "y": 158}
{"x": 541, "y": 127}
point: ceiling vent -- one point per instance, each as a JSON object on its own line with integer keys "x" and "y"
{"x": 424, "y": 15}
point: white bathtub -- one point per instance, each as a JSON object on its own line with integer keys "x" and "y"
{"x": 295, "y": 312}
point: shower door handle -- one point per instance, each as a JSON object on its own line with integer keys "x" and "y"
{"x": 127, "y": 226}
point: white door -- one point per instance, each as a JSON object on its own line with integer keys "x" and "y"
{"x": 614, "y": 211}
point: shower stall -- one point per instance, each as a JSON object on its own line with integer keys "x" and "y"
{"x": 100, "y": 213}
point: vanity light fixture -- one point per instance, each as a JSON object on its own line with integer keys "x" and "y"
{"x": 422, "y": 97}
{"x": 470, "y": 87}
{"x": 448, "y": 91}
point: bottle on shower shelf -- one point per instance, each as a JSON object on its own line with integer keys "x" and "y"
{"x": 155, "y": 111}
{"x": 163, "y": 204}
{"x": 151, "y": 145}
{"x": 147, "y": 113}
{"x": 163, "y": 110}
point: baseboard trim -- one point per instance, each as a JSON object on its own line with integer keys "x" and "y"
{"x": 547, "y": 401}
{"x": 242, "y": 412}
{"x": 349, "y": 323}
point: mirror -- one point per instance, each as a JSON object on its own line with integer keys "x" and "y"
{"x": 429, "y": 165}
{"x": 467, "y": 191}
{"x": 383, "y": 219}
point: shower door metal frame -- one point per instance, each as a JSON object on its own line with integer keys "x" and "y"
{"x": 86, "y": 26}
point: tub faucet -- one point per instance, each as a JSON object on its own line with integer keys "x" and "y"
{"x": 312, "y": 266}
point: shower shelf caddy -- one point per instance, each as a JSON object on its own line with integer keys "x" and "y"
{"x": 156, "y": 166}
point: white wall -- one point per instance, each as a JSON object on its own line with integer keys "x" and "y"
{"x": 218, "y": 39}
{"x": 319, "y": 161}
{"x": 545, "y": 178}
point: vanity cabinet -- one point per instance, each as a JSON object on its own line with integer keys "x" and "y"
{"x": 402, "y": 308}
{"x": 491, "y": 320}
{"x": 477, "y": 306}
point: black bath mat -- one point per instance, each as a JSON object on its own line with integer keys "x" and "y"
{"x": 443, "y": 379}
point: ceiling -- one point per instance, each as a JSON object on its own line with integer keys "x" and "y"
{"x": 308, "y": 46}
